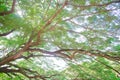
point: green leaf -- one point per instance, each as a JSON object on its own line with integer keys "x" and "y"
{"x": 117, "y": 47}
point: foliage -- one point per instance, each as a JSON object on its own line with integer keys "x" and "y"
{"x": 59, "y": 39}
{"x": 91, "y": 70}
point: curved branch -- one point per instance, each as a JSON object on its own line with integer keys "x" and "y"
{"x": 92, "y": 53}
{"x": 23, "y": 71}
{"x": 59, "y": 54}
{"x": 4, "y": 34}
{"x": 95, "y": 5}
{"x": 17, "y": 55}
{"x": 9, "y": 12}
{"x": 77, "y": 51}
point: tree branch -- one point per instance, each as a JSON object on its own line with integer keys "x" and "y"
{"x": 94, "y": 5}
{"x": 23, "y": 71}
{"x": 9, "y": 12}
{"x": 59, "y": 54}
{"x": 77, "y": 51}
{"x": 92, "y": 53}
{"x": 91, "y": 13}
{"x": 17, "y": 54}
{"x": 4, "y": 34}
{"x": 108, "y": 66}
{"x": 48, "y": 22}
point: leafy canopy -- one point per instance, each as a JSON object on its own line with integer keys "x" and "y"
{"x": 60, "y": 39}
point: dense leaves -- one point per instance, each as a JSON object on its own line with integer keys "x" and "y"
{"x": 60, "y": 39}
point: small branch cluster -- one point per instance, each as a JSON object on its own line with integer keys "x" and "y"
{"x": 24, "y": 71}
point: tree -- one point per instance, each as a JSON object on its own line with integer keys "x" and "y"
{"x": 83, "y": 33}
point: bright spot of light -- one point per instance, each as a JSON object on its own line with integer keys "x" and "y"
{"x": 20, "y": 13}
{"x": 49, "y": 63}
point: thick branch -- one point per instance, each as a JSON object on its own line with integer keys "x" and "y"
{"x": 17, "y": 55}
{"x": 9, "y": 12}
{"x": 19, "y": 52}
{"x": 92, "y": 53}
{"x": 29, "y": 43}
{"x": 59, "y": 54}
{"x": 33, "y": 56}
{"x": 78, "y": 51}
